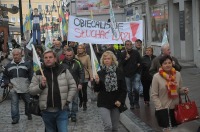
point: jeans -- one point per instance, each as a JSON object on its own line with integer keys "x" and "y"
{"x": 110, "y": 119}
{"x": 74, "y": 106}
{"x": 36, "y": 28}
{"x": 146, "y": 85}
{"x": 15, "y": 104}
{"x": 133, "y": 87}
{"x": 141, "y": 90}
{"x": 83, "y": 92}
{"x": 55, "y": 121}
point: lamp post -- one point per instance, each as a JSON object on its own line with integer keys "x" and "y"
{"x": 44, "y": 14}
{"x": 58, "y": 3}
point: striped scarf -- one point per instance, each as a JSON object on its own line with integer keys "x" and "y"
{"x": 170, "y": 84}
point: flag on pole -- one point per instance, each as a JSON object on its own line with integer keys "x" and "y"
{"x": 64, "y": 22}
{"x": 36, "y": 62}
{"x": 28, "y": 46}
{"x": 27, "y": 23}
{"x": 113, "y": 23}
{"x": 165, "y": 39}
{"x": 91, "y": 14}
{"x": 48, "y": 43}
{"x": 94, "y": 62}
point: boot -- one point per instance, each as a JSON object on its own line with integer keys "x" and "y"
{"x": 80, "y": 104}
{"x": 84, "y": 106}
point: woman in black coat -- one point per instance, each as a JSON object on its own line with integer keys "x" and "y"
{"x": 146, "y": 78}
{"x": 111, "y": 87}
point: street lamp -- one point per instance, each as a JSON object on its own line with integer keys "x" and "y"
{"x": 58, "y": 3}
{"x": 47, "y": 11}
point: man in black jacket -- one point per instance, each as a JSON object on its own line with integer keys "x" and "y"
{"x": 76, "y": 69}
{"x": 130, "y": 62}
{"x": 18, "y": 74}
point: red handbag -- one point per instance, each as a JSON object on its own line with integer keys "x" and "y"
{"x": 187, "y": 111}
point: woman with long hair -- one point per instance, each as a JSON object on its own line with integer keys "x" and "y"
{"x": 85, "y": 60}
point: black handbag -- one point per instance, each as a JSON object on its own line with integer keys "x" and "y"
{"x": 34, "y": 106}
{"x": 122, "y": 108}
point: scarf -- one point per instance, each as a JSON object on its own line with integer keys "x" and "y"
{"x": 170, "y": 84}
{"x": 110, "y": 78}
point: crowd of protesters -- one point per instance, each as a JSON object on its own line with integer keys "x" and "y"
{"x": 125, "y": 70}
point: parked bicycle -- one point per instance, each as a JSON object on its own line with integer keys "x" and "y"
{"x": 4, "y": 89}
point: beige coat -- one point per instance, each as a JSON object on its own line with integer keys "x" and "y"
{"x": 159, "y": 93}
{"x": 66, "y": 85}
{"x": 85, "y": 60}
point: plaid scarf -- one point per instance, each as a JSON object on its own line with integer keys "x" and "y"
{"x": 110, "y": 78}
{"x": 171, "y": 84}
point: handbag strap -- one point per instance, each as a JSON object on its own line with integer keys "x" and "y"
{"x": 187, "y": 99}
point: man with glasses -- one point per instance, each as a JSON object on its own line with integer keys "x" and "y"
{"x": 130, "y": 62}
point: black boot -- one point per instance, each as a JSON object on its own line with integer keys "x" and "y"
{"x": 80, "y": 104}
{"x": 84, "y": 106}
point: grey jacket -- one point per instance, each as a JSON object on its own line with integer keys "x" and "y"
{"x": 66, "y": 84}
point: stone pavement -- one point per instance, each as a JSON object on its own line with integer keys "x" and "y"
{"x": 143, "y": 119}
{"x": 88, "y": 121}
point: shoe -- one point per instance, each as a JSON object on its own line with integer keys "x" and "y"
{"x": 15, "y": 122}
{"x": 137, "y": 106}
{"x": 146, "y": 103}
{"x": 29, "y": 117}
{"x": 73, "y": 119}
{"x": 84, "y": 106}
{"x": 80, "y": 104}
{"x": 132, "y": 107}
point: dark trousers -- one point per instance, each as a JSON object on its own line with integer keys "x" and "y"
{"x": 146, "y": 87}
{"x": 83, "y": 92}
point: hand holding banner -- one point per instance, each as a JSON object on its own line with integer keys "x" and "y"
{"x": 99, "y": 32}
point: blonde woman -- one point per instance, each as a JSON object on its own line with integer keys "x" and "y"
{"x": 85, "y": 60}
{"x": 111, "y": 87}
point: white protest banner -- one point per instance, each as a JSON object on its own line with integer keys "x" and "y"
{"x": 99, "y": 32}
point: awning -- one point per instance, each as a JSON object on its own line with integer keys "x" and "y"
{"x": 14, "y": 29}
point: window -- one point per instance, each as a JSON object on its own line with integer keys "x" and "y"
{"x": 13, "y": 19}
{"x": 46, "y": 7}
{"x": 159, "y": 21}
{"x": 18, "y": 19}
{"x": 48, "y": 19}
{"x": 39, "y": 8}
{"x": 5, "y": 5}
{"x": 11, "y": 5}
{"x": 54, "y": 19}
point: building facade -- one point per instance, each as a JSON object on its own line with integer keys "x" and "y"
{"x": 99, "y": 9}
{"x": 50, "y": 15}
{"x": 180, "y": 18}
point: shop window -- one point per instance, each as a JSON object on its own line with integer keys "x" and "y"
{"x": 159, "y": 21}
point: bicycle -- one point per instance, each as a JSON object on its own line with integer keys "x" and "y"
{"x": 4, "y": 89}
{"x": 4, "y": 92}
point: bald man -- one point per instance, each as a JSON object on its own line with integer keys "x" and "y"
{"x": 155, "y": 65}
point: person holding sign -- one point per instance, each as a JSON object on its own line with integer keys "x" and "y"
{"x": 36, "y": 18}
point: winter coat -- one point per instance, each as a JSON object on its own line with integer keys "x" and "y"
{"x": 108, "y": 99}
{"x": 65, "y": 89}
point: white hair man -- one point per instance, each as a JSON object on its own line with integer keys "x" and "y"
{"x": 17, "y": 75}
{"x": 165, "y": 50}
